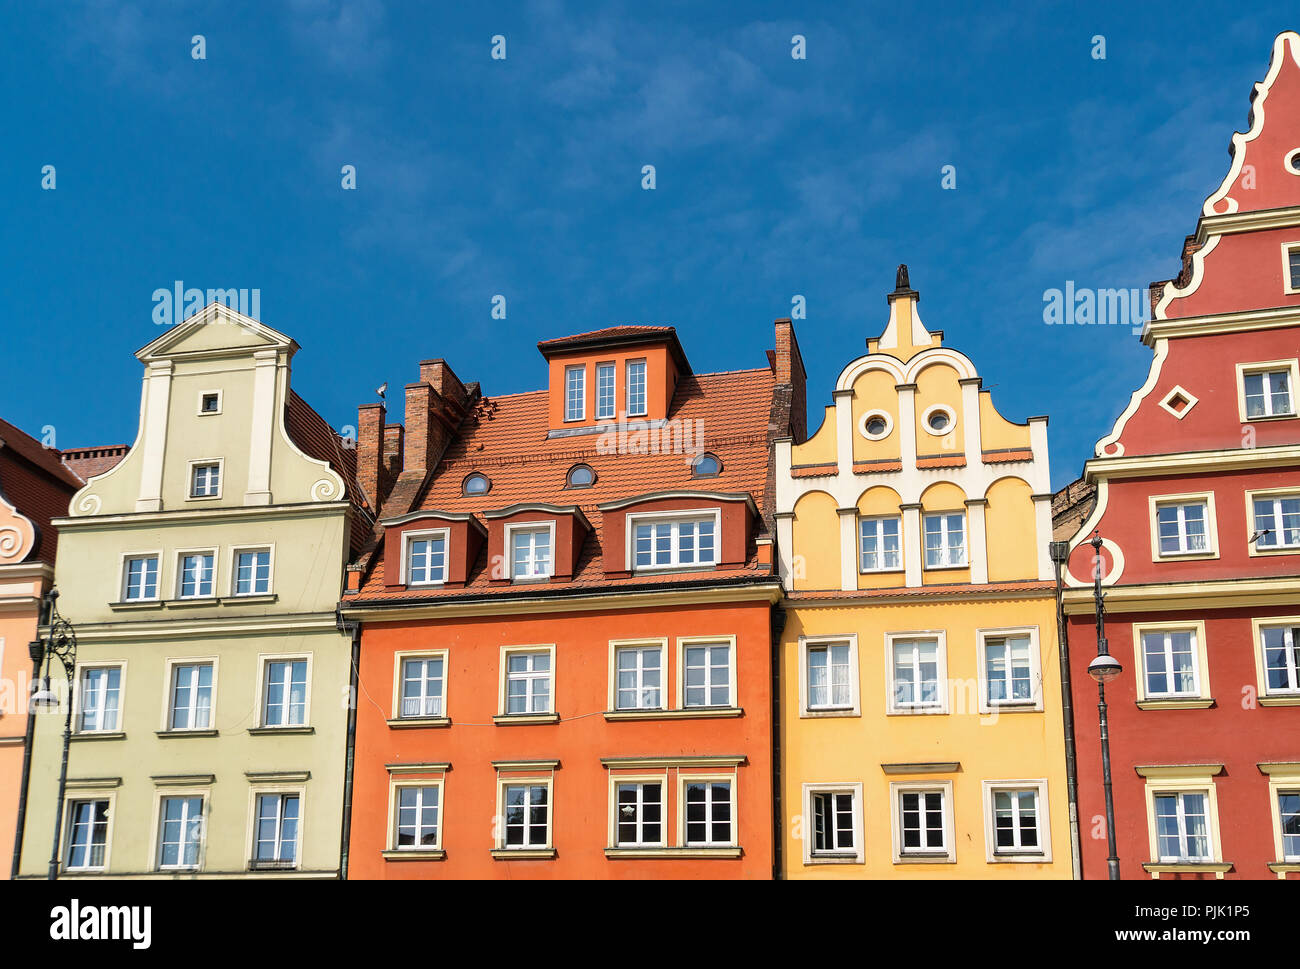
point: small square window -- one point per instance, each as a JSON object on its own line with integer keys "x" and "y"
{"x": 205, "y": 480}
{"x": 210, "y": 402}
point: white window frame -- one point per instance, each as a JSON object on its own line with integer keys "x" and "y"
{"x": 645, "y": 387}
{"x": 855, "y": 856}
{"x": 943, "y": 532}
{"x": 190, "y": 481}
{"x": 505, "y": 780}
{"x": 1282, "y": 779}
{"x": 79, "y": 710}
{"x": 395, "y": 788}
{"x": 181, "y": 555}
{"x": 504, "y": 677}
{"x": 1201, "y": 697}
{"x": 854, "y": 707}
{"x": 1267, "y": 696}
{"x": 683, "y": 780}
{"x": 674, "y": 518}
{"x": 1183, "y": 780}
{"x": 1292, "y": 366}
{"x": 986, "y": 703}
{"x": 945, "y": 855}
{"x": 918, "y": 709}
{"x": 871, "y": 415}
{"x": 73, "y": 797}
{"x": 264, "y": 661}
{"x": 422, "y": 535}
{"x": 685, "y": 642}
{"x": 126, "y": 558}
{"x": 1183, "y": 831}
{"x": 258, "y": 791}
{"x": 532, "y": 528}
{"x": 931, "y": 410}
{"x": 400, "y": 660}
{"x": 612, "y": 368}
{"x": 878, "y": 521}
{"x": 1275, "y": 495}
{"x": 1290, "y": 281}
{"x": 1040, "y": 855}
{"x": 615, "y": 781}
{"x": 617, "y": 646}
{"x": 569, "y": 371}
{"x": 204, "y": 794}
{"x": 170, "y": 664}
{"x": 1211, "y": 550}
{"x": 209, "y": 413}
{"x": 238, "y": 550}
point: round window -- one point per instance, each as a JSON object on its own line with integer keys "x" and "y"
{"x": 875, "y": 425}
{"x": 476, "y": 484}
{"x": 939, "y": 420}
{"x": 706, "y": 466}
{"x": 581, "y": 476}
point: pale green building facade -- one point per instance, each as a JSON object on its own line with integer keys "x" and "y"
{"x": 202, "y": 573}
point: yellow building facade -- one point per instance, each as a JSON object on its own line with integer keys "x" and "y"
{"x": 921, "y": 726}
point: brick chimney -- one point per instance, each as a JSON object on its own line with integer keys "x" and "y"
{"x": 370, "y": 433}
{"x": 435, "y": 406}
{"x": 392, "y": 456}
{"x": 787, "y": 366}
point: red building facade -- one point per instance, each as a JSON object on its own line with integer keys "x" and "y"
{"x": 1198, "y": 509}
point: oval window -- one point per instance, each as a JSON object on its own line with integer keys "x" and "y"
{"x": 876, "y": 426}
{"x": 476, "y": 484}
{"x": 581, "y": 476}
{"x": 706, "y": 466}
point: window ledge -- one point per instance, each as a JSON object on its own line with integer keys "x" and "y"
{"x": 1156, "y": 869}
{"x": 260, "y": 598}
{"x": 268, "y": 731}
{"x": 690, "y": 852}
{"x": 515, "y": 719}
{"x": 925, "y": 858}
{"x": 407, "y": 723}
{"x": 100, "y": 735}
{"x": 193, "y": 602}
{"x": 656, "y": 569}
{"x": 136, "y": 604}
{"x": 265, "y": 866}
{"x": 1191, "y": 703}
{"x": 414, "y": 854}
{"x": 835, "y": 858}
{"x": 1184, "y": 557}
{"x": 1279, "y": 700}
{"x": 186, "y": 733}
{"x": 688, "y": 713}
{"x": 1280, "y": 868}
{"x": 523, "y": 854}
{"x": 1018, "y": 858}
{"x": 916, "y": 712}
{"x": 829, "y": 712}
{"x": 1269, "y": 417}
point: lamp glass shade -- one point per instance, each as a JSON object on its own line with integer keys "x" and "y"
{"x": 44, "y": 698}
{"x": 1104, "y": 668}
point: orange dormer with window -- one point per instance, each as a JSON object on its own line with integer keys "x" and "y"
{"x": 620, "y": 372}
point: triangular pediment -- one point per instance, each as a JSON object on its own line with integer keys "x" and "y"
{"x": 215, "y": 329}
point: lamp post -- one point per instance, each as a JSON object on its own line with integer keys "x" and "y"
{"x": 60, "y": 642}
{"x": 1103, "y": 669}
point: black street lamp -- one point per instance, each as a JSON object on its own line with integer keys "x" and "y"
{"x": 1103, "y": 669}
{"x": 60, "y": 642}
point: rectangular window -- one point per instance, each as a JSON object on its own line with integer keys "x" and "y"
{"x": 87, "y": 835}
{"x": 829, "y": 676}
{"x": 1293, "y": 267}
{"x": 422, "y": 686}
{"x": 1268, "y": 393}
{"x": 639, "y": 678}
{"x": 1182, "y": 827}
{"x": 945, "y": 540}
{"x": 1169, "y": 659}
{"x": 426, "y": 559}
{"x": 832, "y": 823}
{"x": 1008, "y": 670}
{"x": 205, "y": 480}
{"x": 921, "y": 822}
{"x": 528, "y": 682}
{"x": 605, "y": 391}
{"x": 253, "y": 572}
{"x": 675, "y": 542}
{"x": 916, "y": 674}
{"x": 1182, "y": 528}
{"x": 708, "y": 813}
{"x": 1288, "y": 808}
{"x": 181, "y": 834}
{"x": 527, "y": 816}
{"x": 879, "y": 550}
{"x": 210, "y": 403}
{"x": 530, "y": 552}
{"x": 101, "y": 692}
{"x": 276, "y": 844}
{"x": 639, "y": 818}
{"x": 1016, "y": 828}
{"x": 140, "y": 578}
{"x": 636, "y": 400}
{"x": 1277, "y": 519}
{"x": 418, "y": 810}
{"x": 575, "y": 393}
{"x": 707, "y": 670}
{"x": 1281, "y": 648}
{"x": 196, "y": 575}
{"x": 285, "y": 703}
{"x": 191, "y": 704}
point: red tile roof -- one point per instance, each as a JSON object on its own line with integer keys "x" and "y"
{"x": 903, "y": 592}
{"x": 813, "y": 470}
{"x": 868, "y": 467}
{"x": 510, "y": 446}
{"x": 1008, "y": 454}
{"x": 37, "y": 483}
{"x": 315, "y": 438}
{"x": 606, "y": 333}
{"x": 941, "y": 461}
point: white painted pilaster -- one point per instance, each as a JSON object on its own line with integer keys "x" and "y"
{"x": 844, "y": 430}
{"x": 157, "y": 401}
{"x": 907, "y": 424}
{"x": 785, "y": 546}
{"x": 259, "y": 447}
{"x": 913, "y": 550}
{"x": 1043, "y": 535}
{"x": 971, "y": 433}
{"x": 978, "y": 549}
{"x": 848, "y": 548}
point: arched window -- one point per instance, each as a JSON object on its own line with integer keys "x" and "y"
{"x": 580, "y": 476}
{"x": 476, "y": 484}
{"x": 706, "y": 466}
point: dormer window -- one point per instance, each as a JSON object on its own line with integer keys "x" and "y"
{"x": 706, "y": 465}
{"x": 580, "y": 476}
{"x": 676, "y": 541}
{"x": 605, "y": 402}
{"x": 531, "y": 549}
{"x": 636, "y": 393}
{"x": 575, "y": 393}
{"x": 425, "y": 557}
{"x": 476, "y": 484}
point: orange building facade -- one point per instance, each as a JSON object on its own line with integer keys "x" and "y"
{"x": 566, "y": 620}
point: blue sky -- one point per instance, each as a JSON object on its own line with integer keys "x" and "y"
{"x": 522, "y": 177}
